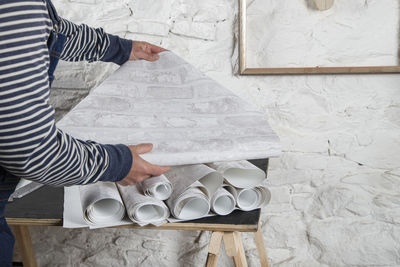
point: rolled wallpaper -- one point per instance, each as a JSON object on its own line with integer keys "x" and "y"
{"x": 252, "y": 198}
{"x": 193, "y": 187}
{"x": 240, "y": 174}
{"x": 158, "y": 187}
{"x": 101, "y": 203}
{"x": 223, "y": 202}
{"x": 191, "y": 204}
{"x": 189, "y": 192}
{"x": 143, "y": 209}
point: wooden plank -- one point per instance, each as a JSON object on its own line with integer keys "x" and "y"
{"x": 167, "y": 226}
{"x": 230, "y": 243}
{"x": 197, "y": 226}
{"x": 262, "y": 252}
{"x": 235, "y": 221}
{"x": 211, "y": 260}
{"x": 215, "y": 242}
{"x": 242, "y": 36}
{"x": 25, "y": 245}
{"x": 241, "y": 256}
{"x": 235, "y": 218}
{"x": 214, "y": 248}
{"x": 34, "y": 222}
{"x": 234, "y": 248}
{"x": 322, "y": 70}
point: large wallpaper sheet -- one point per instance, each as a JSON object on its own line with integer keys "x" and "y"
{"x": 188, "y": 117}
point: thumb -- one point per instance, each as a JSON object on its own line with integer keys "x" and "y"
{"x": 143, "y": 148}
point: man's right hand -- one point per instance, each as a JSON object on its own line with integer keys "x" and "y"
{"x": 141, "y": 169}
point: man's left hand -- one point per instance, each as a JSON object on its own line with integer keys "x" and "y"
{"x": 144, "y": 50}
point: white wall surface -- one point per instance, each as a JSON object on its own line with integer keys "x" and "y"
{"x": 336, "y": 188}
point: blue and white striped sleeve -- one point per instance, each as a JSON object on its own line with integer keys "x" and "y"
{"x": 31, "y": 146}
{"x": 92, "y": 44}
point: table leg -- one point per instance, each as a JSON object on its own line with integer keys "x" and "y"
{"x": 242, "y": 255}
{"x": 24, "y": 243}
{"x": 234, "y": 248}
{"x": 214, "y": 248}
{"x": 262, "y": 253}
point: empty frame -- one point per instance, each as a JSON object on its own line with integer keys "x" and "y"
{"x": 293, "y": 37}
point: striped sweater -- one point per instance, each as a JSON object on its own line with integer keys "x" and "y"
{"x": 31, "y": 146}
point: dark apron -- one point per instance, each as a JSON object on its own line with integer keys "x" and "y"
{"x": 8, "y": 182}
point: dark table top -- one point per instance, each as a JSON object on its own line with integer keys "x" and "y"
{"x": 45, "y": 207}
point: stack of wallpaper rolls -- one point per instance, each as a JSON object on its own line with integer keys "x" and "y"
{"x": 184, "y": 193}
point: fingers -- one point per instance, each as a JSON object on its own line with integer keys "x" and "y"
{"x": 137, "y": 179}
{"x": 142, "y": 54}
{"x": 156, "y": 49}
{"x": 156, "y": 170}
{"x": 146, "y": 51}
{"x": 147, "y": 167}
{"x": 141, "y": 169}
{"x": 142, "y": 177}
{"x": 150, "y": 56}
{"x": 143, "y": 148}
{"x": 123, "y": 182}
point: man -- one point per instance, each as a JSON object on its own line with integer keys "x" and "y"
{"x": 32, "y": 40}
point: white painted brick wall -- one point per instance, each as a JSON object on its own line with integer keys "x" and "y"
{"x": 335, "y": 188}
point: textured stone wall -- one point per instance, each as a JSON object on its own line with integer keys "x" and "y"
{"x": 335, "y": 188}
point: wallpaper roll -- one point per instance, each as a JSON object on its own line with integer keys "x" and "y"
{"x": 211, "y": 183}
{"x": 143, "y": 209}
{"x": 223, "y": 202}
{"x": 194, "y": 185}
{"x": 182, "y": 177}
{"x": 196, "y": 189}
{"x": 247, "y": 199}
{"x": 193, "y": 203}
{"x": 264, "y": 195}
{"x": 252, "y": 198}
{"x": 240, "y": 174}
{"x": 158, "y": 187}
{"x": 101, "y": 203}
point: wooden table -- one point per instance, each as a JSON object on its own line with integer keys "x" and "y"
{"x": 25, "y": 212}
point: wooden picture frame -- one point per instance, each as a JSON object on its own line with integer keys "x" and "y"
{"x": 244, "y": 70}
